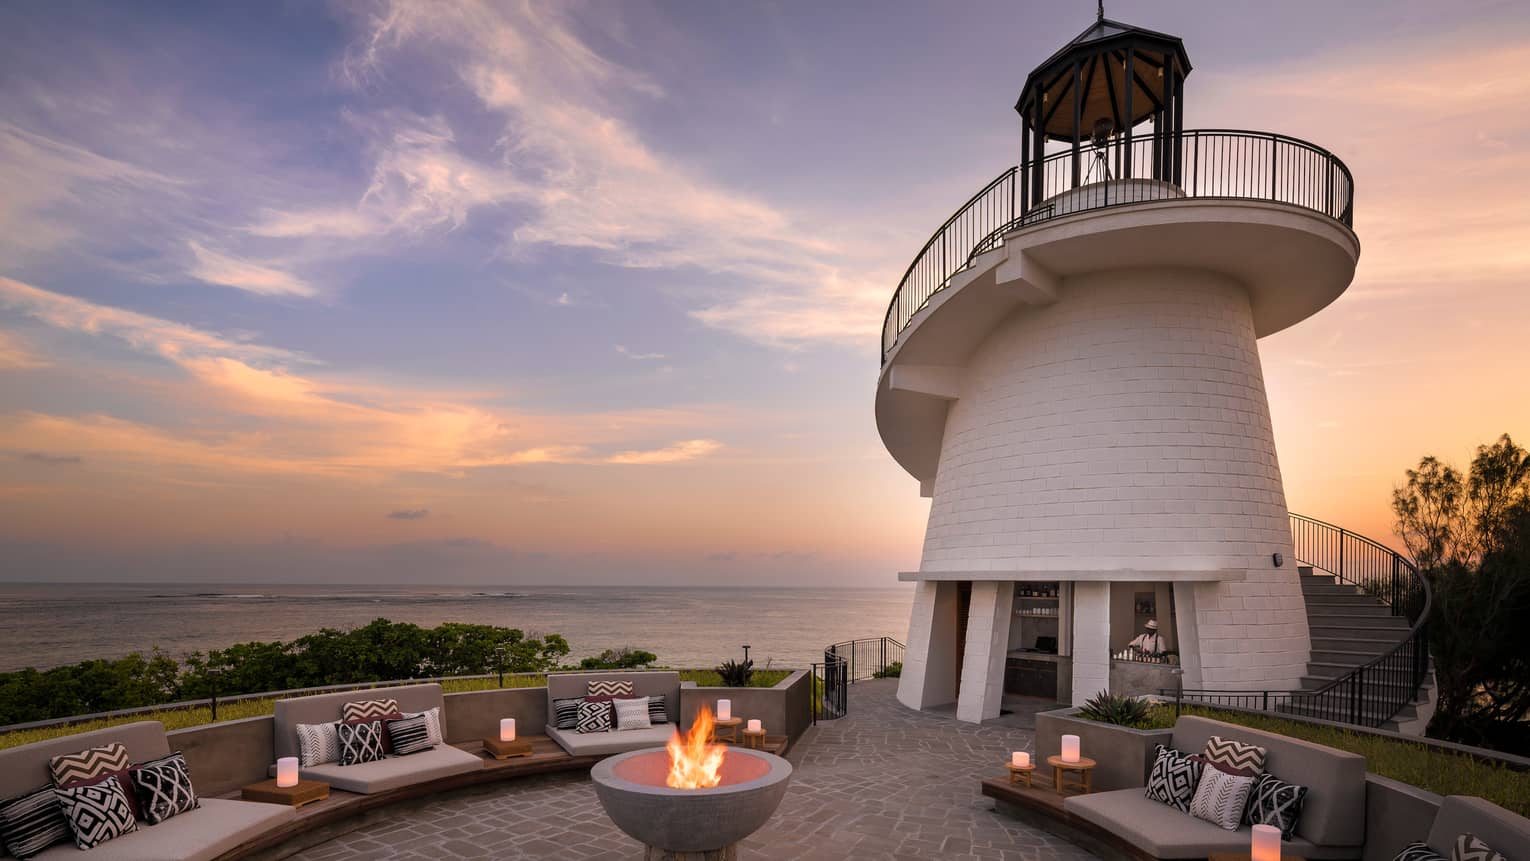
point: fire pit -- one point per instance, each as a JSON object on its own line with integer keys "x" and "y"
{"x": 719, "y": 796}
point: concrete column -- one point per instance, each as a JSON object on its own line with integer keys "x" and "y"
{"x": 982, "y": 688}
{"x": 929, "y": 662}
{"x": 1091, "y": 639}
{"x": 1189, "y": 634}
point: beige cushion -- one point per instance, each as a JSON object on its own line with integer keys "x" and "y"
{"x": 25, "y": 768}
{"x": 1166, "y": 833}
{"x": 1506, "y": 832}
{"x": 325, "y": 708}
{"x": 198, "y": 835}
{"x": 615, "y": 741}
{"x": 645, "y": 683}
{"x": 370, "y": 777}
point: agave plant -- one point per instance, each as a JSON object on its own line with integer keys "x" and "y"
{"x": 736, "y": 674}
{"x": 1117, "y": 709}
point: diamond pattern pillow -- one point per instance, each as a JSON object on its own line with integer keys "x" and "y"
{"x": 33, "y": 822}
{"x": 1234, "y": 757}
{"x": 1173, "y": 779}
{"x": 632, "y": 713}
{"x": 409, "y": 735}
{"x": 656, "y": 710}
{"x": 164, "y": 788}
{"x": 1418, "y": 850}
{"x": 607, "y": 688}
{"x": 1275, "y": 802}
{"x": 89, "y": 764}
{"x": 1220, "y": 798}
{"x": 360, "y": 742}
{"x": 318, "y": 743}
{"x": 566, "y": 713}
{"x": 594, "y": 716}
{"x": 1470, "y": 847}
{"x": 97, "y": 812}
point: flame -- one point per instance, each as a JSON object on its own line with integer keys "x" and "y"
{"x": 694, "y": 762}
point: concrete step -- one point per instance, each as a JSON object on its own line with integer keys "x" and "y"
{"x": 1360, "y": 637}
{"x": 1345, "y": 658}
{"x": 1346, "y": 618}
{"x": 1333, "y": 590}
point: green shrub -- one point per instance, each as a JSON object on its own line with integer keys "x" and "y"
{"x": 735, "y": 674}
{"x": 891, "y": 671}
{"x": 1117, "y": 709}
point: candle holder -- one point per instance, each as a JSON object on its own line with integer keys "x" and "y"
{"x": 1070, "y": 752}
{"x": 287, "y": 772}
{"x": 1264, "y": 845}
{"x": 1020, "y": 767}
{"x": 507, "y": 729}
{"x": 507, "y": 745}
{"x": 725, "y": 710}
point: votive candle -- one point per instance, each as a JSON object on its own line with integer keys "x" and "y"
{"x": 725, "y": 709}
{"x": 287, "y": 772}
{"x": 507, "y": 729}
{"x": 1266, "y": 843}
{"x": 1020, "y": 759}
{"x": 1070, "y": 748}
{"x": 754, "y": 725}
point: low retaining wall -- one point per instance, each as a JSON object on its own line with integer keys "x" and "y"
{"x": 1123, "y": 756}
{"x": 225, "y": 756}
{"x": 475, "y": 714}
{"x": 785, "y": 709}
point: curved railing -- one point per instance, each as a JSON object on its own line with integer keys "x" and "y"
{"x": 1370, "y": 694}
{"x": 1212, "y": 163}
{"x": 846, "y": 663}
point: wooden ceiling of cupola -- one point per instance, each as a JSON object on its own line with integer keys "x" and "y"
{"x": 1118, "y": 68}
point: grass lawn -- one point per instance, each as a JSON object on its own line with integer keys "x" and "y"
{"x": 187, "y": 717}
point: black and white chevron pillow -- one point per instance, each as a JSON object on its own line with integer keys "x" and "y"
{"x": 1470, "y": 847}
{"x": 33, "y": 822}
{"x": 368, "y": 709}
{"x": 1234, "y": 757}
{"x": 97, "y": 812}
{"x": 1275, "y": 802}
{"x": 1418, "y": 850}
{"x": 1220, "y": 798}
{"x": 656, "y": 710}
{"x": 88, "y": 764}
{"x": 164, "y": 788}
{"x": 1173, "y": 779}
{"x": 605, "y": 688}
{"x": 410, "y": 735}
{"x": 566, "y": 713}
{"x": 360, "y": 742}
{"x": 594, "y": 716}
{"x": 318, "y": 743}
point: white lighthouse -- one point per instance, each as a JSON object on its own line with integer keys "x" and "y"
{"x": 1071, "y": 370}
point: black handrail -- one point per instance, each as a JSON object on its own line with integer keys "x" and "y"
{"x": 1373, "y": 693}
{"x": 843, "y": 665}
{"x": 1225, "y": 164}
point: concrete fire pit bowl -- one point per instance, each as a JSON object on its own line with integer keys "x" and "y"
{"x": 691, "y": 823}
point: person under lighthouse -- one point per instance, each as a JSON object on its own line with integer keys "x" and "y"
{"x": 1148, "y": 643}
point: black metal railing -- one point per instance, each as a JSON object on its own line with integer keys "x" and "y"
{"x": 831, "y": 688}
{"x": 1372, "y": 693}
{"x": 1211, "y": 163}
{"x": 846, "y": 663}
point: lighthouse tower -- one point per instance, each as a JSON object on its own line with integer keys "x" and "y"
{"x": 1070, "y": 368}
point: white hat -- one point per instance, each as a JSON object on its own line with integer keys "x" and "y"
{"x": 1152, "y": 625}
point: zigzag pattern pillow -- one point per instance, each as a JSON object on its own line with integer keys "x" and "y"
{"x": 32, "y": 823}
{"x": 566, "y": 713}
{"x": 1173, "y": 779}
{"x": 609, "y": 689}
{"x": 1418, "y": 850}
{"x": 1470, "y": 847}
{"x": 1234, "y": 757}
{"x": 97, "y": 812}
{"x": 594, "y": 717}
{"x": 360, "y": 742}
{"x": 369, "y": 709}
{"x": 89, "y": 764}
{"x": 656, "y": 710}
{"x": 164, "y": 788}
{"x": 1275, "y": 802}
{"x": 1221, "y": 797}
{"x": 410, "y": 735}
{"x": 318, "y": 743}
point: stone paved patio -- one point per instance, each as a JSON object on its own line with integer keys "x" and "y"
{"x": 883, "y": 782}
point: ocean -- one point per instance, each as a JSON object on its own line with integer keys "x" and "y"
{"x": 46, "y": 625}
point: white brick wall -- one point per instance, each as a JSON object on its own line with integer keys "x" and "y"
{"x": 1126, "y": 427}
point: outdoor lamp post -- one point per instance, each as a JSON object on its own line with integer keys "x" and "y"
{"x": 499, "y": 662}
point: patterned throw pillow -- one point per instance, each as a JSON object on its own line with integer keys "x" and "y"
{"x": 632, "y": 713}
{"x": 1418, "y": 850}
{"x": 566, "y": 713}
{"x": 318, "y": 743}
{"x": 1220, "y": 798}
{"x": 657, "y": 713}
{"x": 1470, "y": 847}
{"x": 360, "y": 742}
{"x": 75, "y": 768}
{"x": 1234, "y": 757}
{"x": 1275, "y": 802}
{"x": 432, "y": 724}
{"x": 1173, "y": 779}
{"x": 409, "y": 735}
{"x": 594, "y": 716}
{"x": 164, "y": 788}
{"x": 33, "y": 822}
{"x": 369, "y": 710}
{"x": 97, "y": 812}
{"x": 607, "y": 688}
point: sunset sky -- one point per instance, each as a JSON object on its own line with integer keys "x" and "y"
{"x": 591, "y": 292}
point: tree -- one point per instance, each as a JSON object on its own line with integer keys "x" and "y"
{"x": 625, "y": 658}
{"x": 1444, "y": 518}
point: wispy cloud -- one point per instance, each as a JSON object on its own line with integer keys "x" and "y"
{"x": 409, "y": 514}
{"x": 15, "y": 355}
{"x": 225, "y": 270}
{"x": 680, "y": 451}
{"x": 639, "y": 357}
{"x": 52, "y": 459}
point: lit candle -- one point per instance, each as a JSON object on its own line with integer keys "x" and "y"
{"x": 507, "y": 729}
{"x": 1070, "y": 748}
{"x": 754, "y": 725}
{"x": 287, "y": 772}
{"x": 1266, "y": 843}
{"x": 725, "y": 709}
{"x": 1020, "y": 759}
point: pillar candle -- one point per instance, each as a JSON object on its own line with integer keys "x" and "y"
{"x": 287, "y": 772}
{"x": 754, "y": 725}
{"x": 1266, "y": 843}
{"x": 725, "y": 709}
{"x": 507, "y": 729}
{"x": 1070, "y": 748}
{"x": 1020, "y": 759}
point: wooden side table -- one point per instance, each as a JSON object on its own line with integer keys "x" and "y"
{"x": 730, "y": 726}
{"x": 306, "y": 792}
{"x": 1061, "y": 770}
{"x": 753, "y": 740}
{"x": 506, "y": 749}
{"x": 1020, "y": 773}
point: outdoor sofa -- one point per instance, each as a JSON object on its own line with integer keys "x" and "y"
{"x": 371, "y": 777}
{"x": 207, "y": 832}
{"x": 1332, "y": 823}
{"x": 1506, "y": 832}
{"x": 644, "y": 684}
